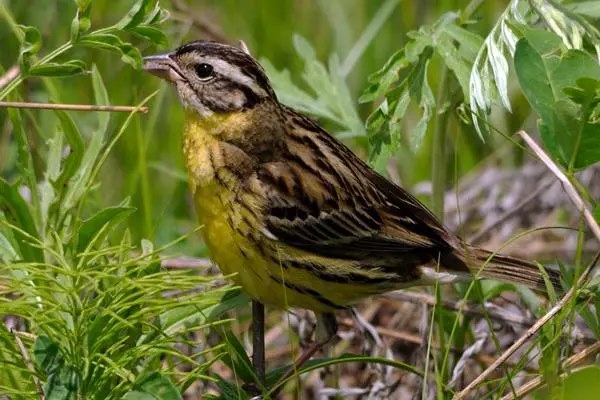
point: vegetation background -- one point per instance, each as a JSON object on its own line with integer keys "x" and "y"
{"x": 92, "y": 204}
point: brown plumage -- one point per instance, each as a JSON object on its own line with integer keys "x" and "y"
{"x": 295, "y": 213}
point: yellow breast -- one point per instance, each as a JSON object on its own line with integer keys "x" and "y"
{"x": 233, "y": 229}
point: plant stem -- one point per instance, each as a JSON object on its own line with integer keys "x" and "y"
{"x": 438, "y": 151}
{"x": 258, "y": 340}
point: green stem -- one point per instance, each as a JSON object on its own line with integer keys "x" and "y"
{"x": 20, "y": 78}
{"x": 438, "y": 151}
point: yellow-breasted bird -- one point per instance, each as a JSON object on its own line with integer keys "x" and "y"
{"x": 299, "y": 218}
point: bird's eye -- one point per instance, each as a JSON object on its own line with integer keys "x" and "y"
{"x": 204, "y": 70}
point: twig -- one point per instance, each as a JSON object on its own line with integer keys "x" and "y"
{"x": 420, "y": 298}
{"x": 530, "y": 332}
{"x": 28, "y": 363}
{"x": 258, "y": 340}
{"x": 9, "y": 76}
{"x": 570, "y": 362}
{"x": 71, "y": 107}
{"x": 185, "y": 262}
{"x": 415, "y": 339}
{"x": 566, "y": 183}
{"x": 576, "y": 199}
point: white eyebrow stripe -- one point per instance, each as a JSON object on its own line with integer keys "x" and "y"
{"x": 234, "y": 73}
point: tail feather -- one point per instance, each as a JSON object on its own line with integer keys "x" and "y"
{"x": 513, "y": 270}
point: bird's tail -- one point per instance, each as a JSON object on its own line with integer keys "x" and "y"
{"x": 509, "y": 269}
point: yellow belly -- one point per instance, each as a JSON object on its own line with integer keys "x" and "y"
{"x": 233, "y": 230}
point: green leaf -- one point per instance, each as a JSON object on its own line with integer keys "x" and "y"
{"x": 91, "y": 227}
{"x": 101, "y": 98}
{"x": 108, "y": 41}
{"x": 597, "y": 213}
{"x": 31, "y": 41}
{"x": 63, "y": 384}
{"x": 274, "y": 376}
{"x": 583, "y": 383}
{"x": 151, "y": 33}
{"x": 69, "y": 68}
{"x": 21, "y": 212}
{"x": 587, "y": 8}
{"x": 554, "y": 86}
{"x": 76, "y": 148}
{"x": 469, "y": 43}
{"x": 448, "y": 51}
{"x": 47, "y": 354}
{"x": 237, "y": 359}
{"x": 230, "y": 390}
{"x": 153, "y": 386}
{"x": 134, "y": 16}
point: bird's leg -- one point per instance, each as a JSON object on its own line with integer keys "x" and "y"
{"x": 258, "y": 340}
{"x": 325, "y": 331}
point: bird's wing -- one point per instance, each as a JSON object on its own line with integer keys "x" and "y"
{"x": 322, "y": 198}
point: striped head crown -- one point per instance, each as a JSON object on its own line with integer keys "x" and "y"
{"x": 212, "y": 78}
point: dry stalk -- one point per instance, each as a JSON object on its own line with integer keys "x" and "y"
{"x": 27, "y": 361}
{"x": 579, "y": 203}
{"x": 71, "y": 107}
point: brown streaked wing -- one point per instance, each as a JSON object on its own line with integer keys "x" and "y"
{"x": 322, "y": 198}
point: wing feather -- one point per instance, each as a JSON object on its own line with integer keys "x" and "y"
{"x": 322, "y": 198}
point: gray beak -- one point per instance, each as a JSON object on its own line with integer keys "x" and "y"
{"x": 163, "y": 66}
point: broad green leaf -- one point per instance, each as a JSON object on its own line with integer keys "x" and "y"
{"x": 150, "y": 33}
{"x": 552, "y": 85}
{"x": 237, "y": 359}
{"x": 583, "y": 383}
{"x": 597, "y": 213}
{"x": 47, "y": 354}
{"x": 134, "y": 16}
{"x": 62, "y": 384}
{"x": 153, "y": 386}
{"x": 447, "y": 50}
{"x": 91, "y": 227}
{"x": 72, "y": 67}
{"x": 544, "y": 42}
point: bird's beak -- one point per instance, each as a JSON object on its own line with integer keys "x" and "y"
{"x": 163, "y": 66}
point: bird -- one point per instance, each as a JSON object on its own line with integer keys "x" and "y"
{"x": 291, "y": 213}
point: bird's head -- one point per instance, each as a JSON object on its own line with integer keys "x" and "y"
{"x": 213, "y": 78}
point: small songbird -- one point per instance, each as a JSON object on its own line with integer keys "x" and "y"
{"x": 293, "y": 213}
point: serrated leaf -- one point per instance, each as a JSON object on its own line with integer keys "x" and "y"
{"x": 69, "y": 68}
{"x": 469, "y": 43}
